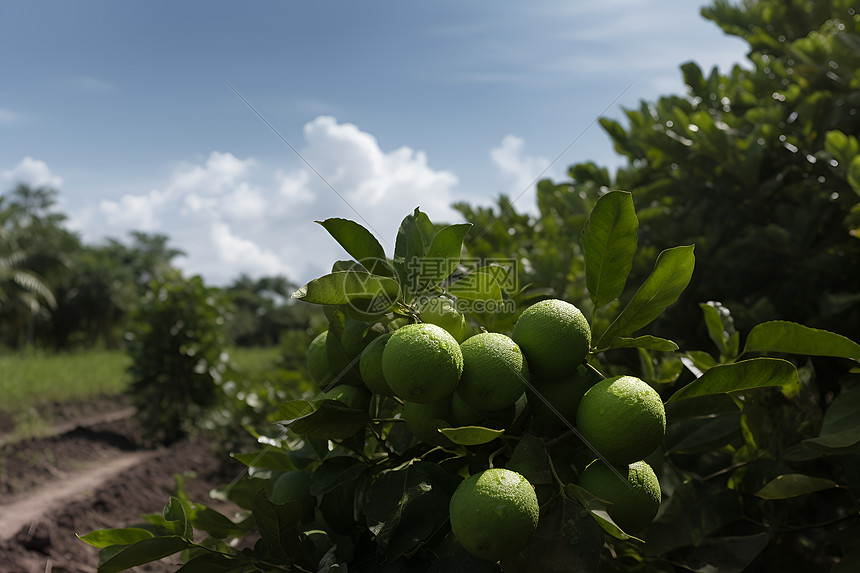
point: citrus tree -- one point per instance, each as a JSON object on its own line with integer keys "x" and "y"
{"x": 176, "y": 345}
{"x": 461, "y": 424}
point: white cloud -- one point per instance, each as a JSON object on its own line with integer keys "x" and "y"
{"x": 381, "y": 186}
{"x": 134, "y": 212}
{"x": 8, "y": 117}
{"x": 519, "y": 172}
{"x": 233, "y": 215}
{"x": 244, "y": 255}
{"x": 33, "y": 172}
{"x": 294, "y": 186}
{"x": 220, "y": 172}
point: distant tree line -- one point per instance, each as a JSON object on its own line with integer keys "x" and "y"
{"x": 58, "y": 293}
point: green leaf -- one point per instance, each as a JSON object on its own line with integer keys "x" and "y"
{"x": 854, "y": 174}
{"x": 567, "y": 539}
{"x": 840, "y": 429}
{"x": 334, "y": 472}
{"x": 609, "y": 242}
{"x": 119, "y": 558}
{"x": 343, "y": 287}
{"x": 177, "y": 521}
{"x": 476, "y": 286}
{"x": 292, "y": 409}
{"x": 243, "y": 491}
{"x": 277, "y": 525}
{"x": 442, "y": 256}
{"x": 405, "y": 506}
{"x": 720, "y": 326}
{"x": 413, "y": 236}
{"x": 219, "y": 525}
{"x": 598, "y": 511}
{"x": 530, "y": 460}
{"x": 698, "y": 362}
{"x": 360, "y": 243}
{"x": 504, "y": 274}
{"x": 793, "y": 338}
{"x": 701, "y": 407}
{"x": 671, "y": 274}
{"x": 701, "y": 434}
{"x": 738, "y": 376}
{"x": 647, "y": 342}
{"x": 471, "y": 435}
{"x": 107, "y": 537}
{"x": 269, "y": 458}
{"x": 332, "y": 420}
{"x": 793, "y": 485}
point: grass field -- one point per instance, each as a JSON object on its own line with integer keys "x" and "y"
{"x": 35, "y": 385}
{"x": 32, "y": 379}
{"x": 251, "y": 361}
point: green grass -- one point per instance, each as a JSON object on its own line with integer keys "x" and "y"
{"x": 254, "y": 361}
{"x": 33, "y": 379}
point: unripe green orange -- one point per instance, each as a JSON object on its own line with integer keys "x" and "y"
{"x": 554, "y": 336}
{"x": 623, "y": 418}
{"x": 494, "y": 372}
{"x": 635, "y": 496}
{"x": 422, "y": 363}
{"x": 494, "y": 513}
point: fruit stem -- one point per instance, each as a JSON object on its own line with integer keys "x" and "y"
{"x": 493, "y": 455}
{"x": 599, "y": 373}
{"x": 560, "y": 483}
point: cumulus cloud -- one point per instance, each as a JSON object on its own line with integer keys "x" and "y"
{"x": 234, "y": 215}
{"x": 380, "y": 186}
{"x": 137, "y": 212}
{"x": 32, "y": 172}
{"x": 9, "y": 117}
{"x": 519, "y": 171}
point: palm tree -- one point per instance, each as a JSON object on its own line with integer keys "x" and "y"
{"x": 23, "y": 291}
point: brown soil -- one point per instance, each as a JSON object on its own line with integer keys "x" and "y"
{"x": 93, "y": 475}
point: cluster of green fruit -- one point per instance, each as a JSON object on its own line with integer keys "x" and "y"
{"x": 441, "y": 375}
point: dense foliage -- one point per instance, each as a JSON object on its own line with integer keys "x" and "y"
{"x": 176, "y": 344}
{"x": 759, "y": 167}
{"x": 754, "y": 475}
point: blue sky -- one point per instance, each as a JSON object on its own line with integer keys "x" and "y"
{"x": 125, "y": 108}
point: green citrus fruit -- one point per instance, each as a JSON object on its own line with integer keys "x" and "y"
{"x": 344, "y": 367}
{"x": 424, "y": 420}
{"x": 293, "y": 486}
{"x": 635, "y": 498}
{"x": 494, "y": 372}
{"x": 352, "y": 396}
{"x": 494, "y": 513}
{"x": 563, "y": 394}
{"x": 554, "y": 336}
{"x": 441, "y": 312}
{"x": 422, "y": 363}
{"x": 370, "y": 366}
{"x": 622, "y": 418}
{"x": 318, "y": 361}
{"x": 357, "y": 335}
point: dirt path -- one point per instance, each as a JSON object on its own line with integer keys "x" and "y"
{"x": 93, "y": 476}
{"x": 37, "y": 504}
